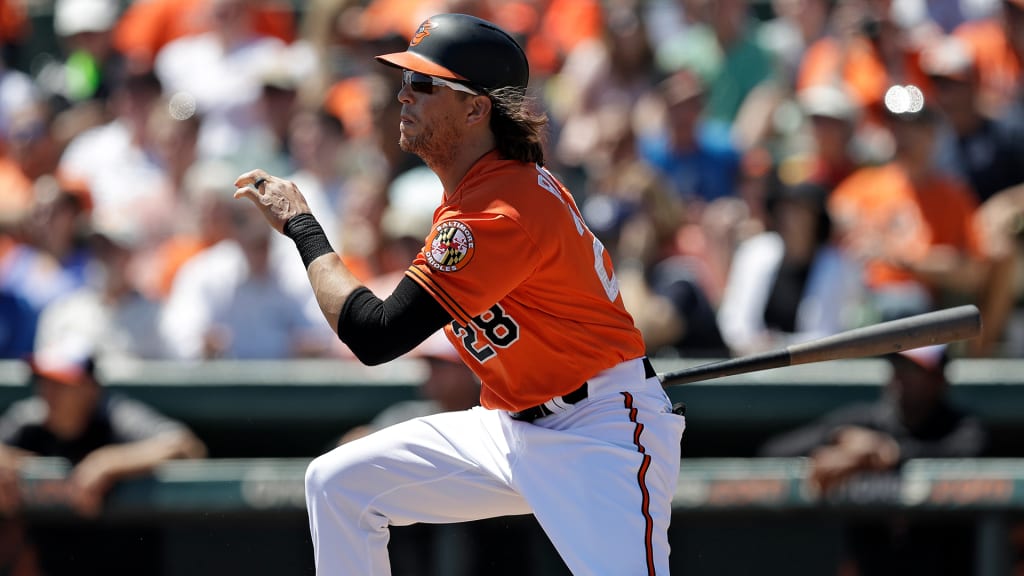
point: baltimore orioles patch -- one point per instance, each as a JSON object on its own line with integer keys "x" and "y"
{"x": 450, "y": 246}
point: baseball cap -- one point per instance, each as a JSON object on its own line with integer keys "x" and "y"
{"x": 66, "y": 361}
{"x": 828, "y": 101}
{"x": 464, "y": 49}
{"x": 72, "y": 17}
{"x": 948, "y": 58}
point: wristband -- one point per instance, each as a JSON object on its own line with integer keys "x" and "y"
{"x": 309, "y": 237}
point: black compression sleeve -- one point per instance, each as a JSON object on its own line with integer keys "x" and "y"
{"x": 379, "y": 331}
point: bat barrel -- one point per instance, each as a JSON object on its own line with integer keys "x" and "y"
{"x": 930, "y": 328}
{"x": 939, "y": 327}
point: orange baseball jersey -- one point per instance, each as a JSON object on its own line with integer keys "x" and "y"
{"x": 533, "y": 295}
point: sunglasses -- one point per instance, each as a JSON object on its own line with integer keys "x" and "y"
{"x": 425, "y": 84}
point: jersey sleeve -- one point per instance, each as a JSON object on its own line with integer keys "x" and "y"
{"x": 469, "y": 263}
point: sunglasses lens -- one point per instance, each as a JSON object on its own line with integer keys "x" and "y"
{"x": 418, "y": 82}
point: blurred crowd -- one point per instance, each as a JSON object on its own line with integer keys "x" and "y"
{"x": 762, "y": 171}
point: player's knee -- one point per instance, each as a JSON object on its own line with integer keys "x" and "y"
{"x": 328, "y": 474}
{"x": 319, "y": 475}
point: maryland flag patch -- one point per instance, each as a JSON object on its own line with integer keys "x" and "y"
{"x": 450, "y": 246}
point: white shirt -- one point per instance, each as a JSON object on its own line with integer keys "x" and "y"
{"x": 125, "y": 329}
{"x": 830, "y": 298}
{"x": 226, "y": 84}
{"x": 258, "y": 317}
{"x": 124, "y": 181}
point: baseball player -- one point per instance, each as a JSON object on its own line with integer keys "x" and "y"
{"x": 574, "y": 425}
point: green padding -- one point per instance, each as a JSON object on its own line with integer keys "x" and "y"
{"x": 706, "y": 485}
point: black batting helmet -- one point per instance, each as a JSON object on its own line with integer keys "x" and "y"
{"x": 464, "y": 49}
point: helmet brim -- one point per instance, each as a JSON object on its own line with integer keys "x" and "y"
{"x": 417, "y": 63}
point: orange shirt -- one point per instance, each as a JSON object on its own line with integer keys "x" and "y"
{"x": 880, "y": 211}
{"x": 997, "y": 66}
{"x": 146, "y": 27}
{"x": 534, "y": 297}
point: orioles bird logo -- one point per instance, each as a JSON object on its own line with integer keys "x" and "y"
{"x": 451, "y": 246}
{"x": 422, "y": 32}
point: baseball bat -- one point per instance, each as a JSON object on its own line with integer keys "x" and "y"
{"x": 938, "y": 327}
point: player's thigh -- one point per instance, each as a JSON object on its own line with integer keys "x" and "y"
{"x": 602, "y": 490}
{"x": 441, "y": 468}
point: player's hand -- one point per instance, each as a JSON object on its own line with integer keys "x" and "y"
{"x": 278, "y": 199}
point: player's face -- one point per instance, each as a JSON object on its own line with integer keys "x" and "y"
{"x": 429, "y": 124}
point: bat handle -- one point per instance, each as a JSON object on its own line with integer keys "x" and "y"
{"x": 762, "y": 361}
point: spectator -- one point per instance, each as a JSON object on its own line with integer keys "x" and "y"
{"x": 831, "y": 144}
{"x": 30, "y": 279}
{"x": 146, "y": 27}
{"x": 208, "y": 313}
{"x": 637, "y": 215}
{"x": 59, "y": 223}
{"x": 265, "y": 139}
{"x": 721, "y": 42}
{"x": 106, "y": 438}
{"x": 317, "y": 143}
{"x": 997, "y": 48}
{"x": 172, "y": 131}
{"x": 985, "y": 152}
{"x": 33, "y": 144}
{"x": 913, "y": 418}
{"x": 910, "y": 225}
{"x": 945, "y": 15}
{"x": 611, "y": 72}
{"x": 204, "y": 220}
{"x": 91, "y": 63}
{"x": 868, "y": 51}
{"x": 796, "y": 25}
{"x": 746, "y": 65}
{"x": 115, "y": 158}
{"x": 222, "y": 69}
{"x": 697, "y": 156}
{"x": 791, "y": 282}
{"x": 560, "y": 26}
{"x": 29, "y": 149}
{"x": 108, "y": 310}
{"x": 683, "y": 38}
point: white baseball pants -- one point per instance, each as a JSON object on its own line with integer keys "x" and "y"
{"x": 598, "y": 476}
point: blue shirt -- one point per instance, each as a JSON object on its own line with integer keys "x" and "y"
{"x": 707, "y": 172}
